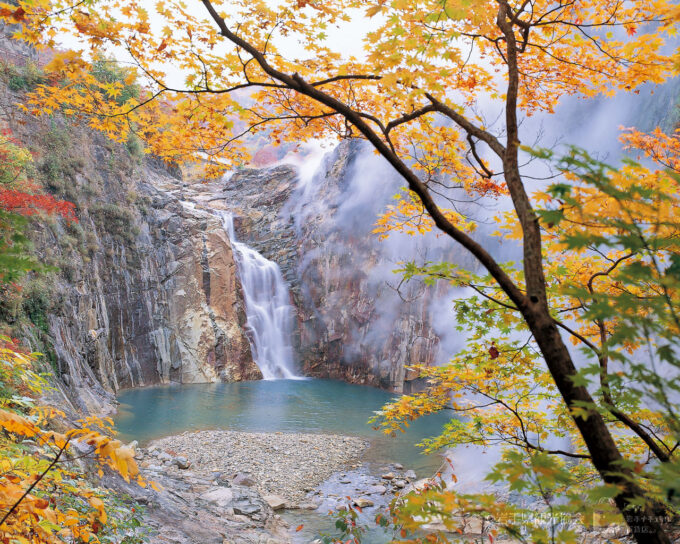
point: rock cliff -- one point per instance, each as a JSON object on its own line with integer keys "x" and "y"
{"x": 352, "y": 325}
{"x": 145, "y": 288}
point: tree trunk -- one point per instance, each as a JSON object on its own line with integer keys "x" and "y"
{"x": 644, "y": 522}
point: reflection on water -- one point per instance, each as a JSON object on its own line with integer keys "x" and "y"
{"x": 315, "y": 406}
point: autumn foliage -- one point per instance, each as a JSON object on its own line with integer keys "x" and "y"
{"x": 571, "y": 362}
{"x": 44, "y": 496}
{"x": 20, "y": 199}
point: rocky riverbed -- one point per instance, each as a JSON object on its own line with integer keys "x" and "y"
{"x": 233, "y": 487}
{"x": 229, "y": 487}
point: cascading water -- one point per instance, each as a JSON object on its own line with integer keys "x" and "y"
{"x": 268, "y": 309}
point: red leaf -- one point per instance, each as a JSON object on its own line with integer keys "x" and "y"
{"x": 493, "y": 352}
{"x": 27, "y": 204}
{"x": 19, "y": 14}
{"x": 299, "y": 528}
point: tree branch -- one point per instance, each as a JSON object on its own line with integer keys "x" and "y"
{"x": 297, "y": 83}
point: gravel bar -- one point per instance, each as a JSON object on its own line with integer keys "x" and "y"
{"x": 285, "y": 464}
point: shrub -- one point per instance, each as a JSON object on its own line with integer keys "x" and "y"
{"x": 117, "y": 221}
{"x": 107, "y": 70}
{"x": 135, "y": 146}
{"x": 60, "y": 162}
{"x": 23, "y": 78}
{"x": 36, "y": 303}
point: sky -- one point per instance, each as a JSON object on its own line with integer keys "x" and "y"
{"x": 346, "y": 38}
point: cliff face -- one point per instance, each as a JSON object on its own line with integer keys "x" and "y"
{"x": 147, "y": 290}
{"x": 352, "y": 325}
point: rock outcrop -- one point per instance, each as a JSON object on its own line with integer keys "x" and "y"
{"x": 352, "y": 325}
{"x": 147, "y": 290}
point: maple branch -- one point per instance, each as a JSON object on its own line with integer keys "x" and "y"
{"x": 473, "y": 148}
{"x": 492, "y": 299}
{"x": 297, "y": 83}
{"x": 577, "y": 335}
{"x": 469, "y": 127}
{"x": 624, "y": 418}
{"x": 263, "y": 121}
{"x": 408, "y": 117}
{"x": 523, "y": 441}
{"x": 344, "y": 77}
{"x": 531, "y": 446}
{"x": 37, "y": 480}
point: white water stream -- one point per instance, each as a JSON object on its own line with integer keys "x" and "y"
{"x": 268, "y": 310}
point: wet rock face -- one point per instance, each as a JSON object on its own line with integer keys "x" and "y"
{"x": 155, "y": 298}
{"x": 351, "y": 324}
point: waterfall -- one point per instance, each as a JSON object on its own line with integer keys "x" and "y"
{"x": 268, "y": 310}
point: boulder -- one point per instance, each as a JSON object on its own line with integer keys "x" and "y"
{"x": 246, "y": 505}
{"x": 164, "y": 457}
{"x": 376, "y": 489}
{"x": 363, "y": 502}
{"x": 182, "y": 462}
{"x": 243, "y": 479}
{"x": 276, "y": 502}
{"x": 410, "y": 475}
{"x": 221, "y": 496}
{"x": 388, "y": 476}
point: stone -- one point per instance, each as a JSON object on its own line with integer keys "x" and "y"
{"x": 275, "y": 502}
{"x": 376, "y": 489}
{"x": 615, "y": 531}
{"x": 398, "y": 466}
{"x": 307, "y": 506}
{"x": 474, "y": 526}
{"x": 401, "y": 484}
{"x": 388, "y": 476}
{"x": 243, "y": 479}
{"x": 221, "y": 496}
{"x": 164, "y": 457}
{"x": 245, "y": 506}
{"x": 410, "y": 475}
{"x": 363, "y": 502}
{"x": 182, "y": 462}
